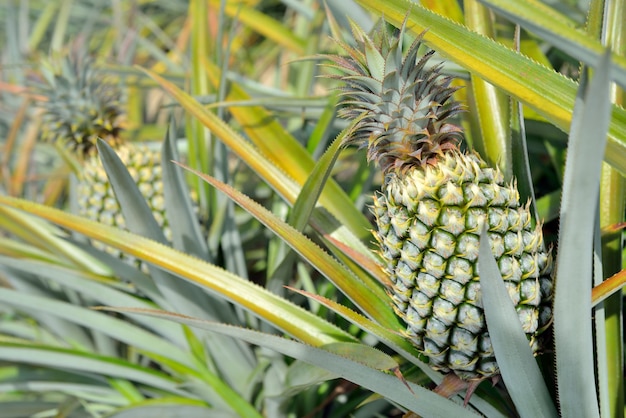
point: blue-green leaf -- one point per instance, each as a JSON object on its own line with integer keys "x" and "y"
{"x": 572, "y": 306}
{"x": 182, "y": 296}
{"x": 518, "y": 367}
{"x": 89, "y": 363}
{"x": 186, "y": 233}
{"x": 97, "y": 321}
{"x": 416, "y": 399}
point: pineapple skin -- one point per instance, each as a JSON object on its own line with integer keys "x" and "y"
{"x": 435, "y": 200}
{"x": 428, "y": 226}
{"x": 96, "y": 199}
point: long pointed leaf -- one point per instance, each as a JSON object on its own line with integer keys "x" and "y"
{"x": 519, "y": 369}
{"x": 70, "y": 333}
{"x": 304, "y": 205}
{"x": 392, "y": 338}
{"x": 89, "y": 363}
{"x": 140, "y": 220}
{"x": 572, "y": 306}
{"x": 399, "y": 344}
{"x": 540, "y": 19}
{"x": 102, "y": 293}
{"x": 45, "y": 236}
{"x": 287, "y": 153}
{"x": 307, "y": 198}
{"x": 284, "y": 151}
{"x": 187, "y": 236}
{"x": 116, "y": 328}
{"x": 353, "y": 227}
{"x": 186, "y": 232}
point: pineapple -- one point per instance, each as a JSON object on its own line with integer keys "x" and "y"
{"x": 80, "y": 107}
{"x": 434, "y": 202}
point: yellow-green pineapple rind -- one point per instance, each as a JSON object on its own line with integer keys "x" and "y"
{"x": 428, "y": 226}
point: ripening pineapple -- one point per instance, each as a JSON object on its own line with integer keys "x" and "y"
{"x": 434, "y": 201}
{"x": 80, "y": 107}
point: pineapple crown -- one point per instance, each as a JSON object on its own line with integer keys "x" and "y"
{"x": 405, "y": 106}
{"x": 79, "y": 106}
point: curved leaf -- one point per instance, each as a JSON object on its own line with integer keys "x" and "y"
{"x": 47, "y": 237}
{"x": 266, "y": 158}
{"x": 390, "y": 338}
{"x": 97, "y": 321}
{"x": 181, "y": 296}
{"x": 65, "y": 359}
{"x": 277, "y": 311}
{"x": 557, "y": 30}
{"x": 88, "y": 286}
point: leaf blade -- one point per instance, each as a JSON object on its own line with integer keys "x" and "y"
{"x": 519, "y": 369}
{"x": 574, "y": 274}
{"x": 363, "y": 296}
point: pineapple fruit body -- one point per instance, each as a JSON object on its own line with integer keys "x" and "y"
{"x": 428, "y": 226}
{"x": 435, "y": 200}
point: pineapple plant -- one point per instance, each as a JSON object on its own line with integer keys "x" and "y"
{"x": 80, "y": 106}
{"x": 435, "y": 200}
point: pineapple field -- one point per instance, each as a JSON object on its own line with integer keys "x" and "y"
{"x": 317, "y": 209}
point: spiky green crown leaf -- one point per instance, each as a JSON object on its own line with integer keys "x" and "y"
{"x": 79, "y": 106}
{"x": 407, "y": 103}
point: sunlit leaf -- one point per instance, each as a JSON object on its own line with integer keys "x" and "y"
{"x": 278, "y": 311}
{"x": 363, "y": 296}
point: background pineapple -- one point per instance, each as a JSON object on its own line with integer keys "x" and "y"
{"x": 81, "y": 106}
{"x": 434, "y": 201}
